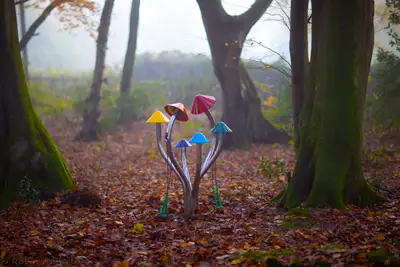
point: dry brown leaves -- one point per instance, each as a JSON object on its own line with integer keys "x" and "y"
{"x": 126, "y": 171}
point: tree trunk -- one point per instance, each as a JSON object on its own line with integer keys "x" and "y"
{"x": 226, "y": 35}
{"x": 234, "y": 109}
{"x": 23, "y": 32}
{"x": 91, "y": 129}
{"x": 127, "y": 71}
{"x": 36, "y": 24}
{"x": 261, "y": 129}
{"x": 31, "y": 166}
{"x": 299, "y": 57}
{"x": 328, "y": 170}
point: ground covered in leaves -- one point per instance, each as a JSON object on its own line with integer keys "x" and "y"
{"x": 126, "y": 172}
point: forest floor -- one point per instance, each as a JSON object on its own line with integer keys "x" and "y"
{"x": 125, "y": 170}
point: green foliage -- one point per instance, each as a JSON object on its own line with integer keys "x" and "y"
{"x": 278, "y": 109}
{"x": 378, "y": 157}
{"x": 27, "y": 192}
{"x": 302, "y": 212}
{"x": 383, "y": 102}
{"x": 53, "y": 101}
{"x": 385, "y": 98}
{"x": 134, "y": 105}
{"x": 383, "y": 257}
{"x": 47, "y": 102}
{"x": 271, "y": 168}
{"x": 297, "y": 218}
{"x": 139, "y": 100}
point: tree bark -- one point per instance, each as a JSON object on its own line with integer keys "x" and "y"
{"x": 226, "y": 35}
{"x": 23, "y": 32}
{"x": 36, "y": 24}
{"x": 127, "y": 71}
{"x": 299, "y": 57}
{"x": 28, "y": 153}
{"x": 260, "y": 128}
{"x": 91, "y": 129}
{"x": 328, "y": 170}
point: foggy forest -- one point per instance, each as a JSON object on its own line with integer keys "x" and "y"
{"x": 199, "y": 133}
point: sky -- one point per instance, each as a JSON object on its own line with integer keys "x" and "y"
{"x": 164, "y": 25}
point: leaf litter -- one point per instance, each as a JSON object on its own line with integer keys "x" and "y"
{"x": 127, "y": 174}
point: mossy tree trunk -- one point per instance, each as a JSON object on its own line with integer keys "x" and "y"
{"x": 125, "y": 113}
{"x": 91, "y": 128}
{"x": 328, "y": 170}
{"x": 226, "y": 35}
{"x": 30, "y": 163}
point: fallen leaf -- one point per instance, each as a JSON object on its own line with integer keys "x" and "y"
{"x": 238, "y": 261}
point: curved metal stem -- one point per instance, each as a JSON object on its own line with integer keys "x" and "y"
{"x": 186, "y": 188}
{"x": 214, "y": 156}
{"x": 184, "y": 163}
{"x": 171, "y": 155}
{"x": 185, "y": 180}
{"x": 213, "y": 144}
{"x": 198, "y": 162}
{"x": 161, "y": 149}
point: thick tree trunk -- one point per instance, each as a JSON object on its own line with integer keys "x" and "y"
{"x": 328, "y": 171}
{"x": 91, "y": 129}
{"x": 127, "y": 71}
{"x": 23, "y": 32}
{"x": 261, "y": 129}
{"x": 226, "y": 35}
{"x": 30, "y": 163}
{"x": 234, "y": 109}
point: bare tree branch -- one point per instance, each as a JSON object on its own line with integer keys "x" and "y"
{"x": 280, "y": 69}
{"x": 253, "y": 14}
{"x": 273, "y": 51}
{"x": 283, "y": 10}
{"x": 282, "y": 19}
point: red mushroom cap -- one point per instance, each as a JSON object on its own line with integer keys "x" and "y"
{"x": 202, "y": 103}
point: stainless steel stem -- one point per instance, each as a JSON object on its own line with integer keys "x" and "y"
{"x": 198, "y": 163}
{"x": 187, "y": 185}
{"x": 213, "y": 144}
{"x": 184, "y": 163}
{"x": 161, "y": 149}
{"x": 215, "y": 154}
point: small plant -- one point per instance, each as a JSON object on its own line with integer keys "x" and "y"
{"x": 378, "y": 157}
{"x": 271, "y": 168}
{"x": 26, "y": 192}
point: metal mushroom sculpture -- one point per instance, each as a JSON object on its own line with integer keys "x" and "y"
{"x": 201, "y": 104}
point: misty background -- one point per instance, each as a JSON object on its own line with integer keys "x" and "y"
{"x": 164, "y": 26}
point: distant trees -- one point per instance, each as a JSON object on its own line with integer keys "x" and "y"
{"x": 226, "y": 35}
{"x": 125, "y": 112}
{"x": 91, "y": 130}
{"x": 387, "y": 69}
{"x": 31, "y": 166}
{"x": 329, "y": 98}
